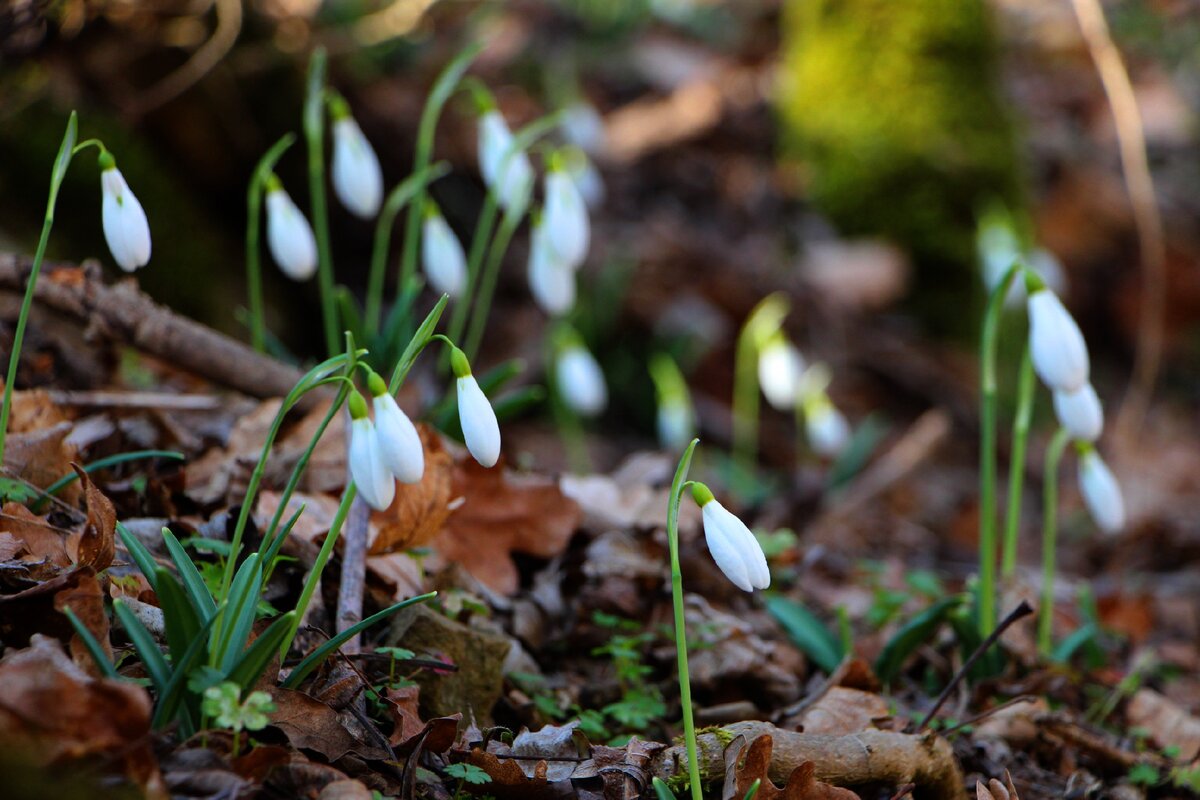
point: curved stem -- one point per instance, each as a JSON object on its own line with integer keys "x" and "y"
{"x": 479, "y": 241}
{"x": 1049, "y": 538}
{"x": 1016, "y": 467}
{"x": 254, "y": 195}
{"x": 987, "y": 452}
{"x": 314, "y": 575}
{"x": 314, "y": 134}
{"x": 685, "y": 683}
{"x": 487, "y": 285}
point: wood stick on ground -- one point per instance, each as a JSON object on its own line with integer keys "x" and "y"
{"x": 354, "y": 567}
{"x": 861, "y": 759}
{"x": 1131, "y": 139}
{"x": 122, "y": 313}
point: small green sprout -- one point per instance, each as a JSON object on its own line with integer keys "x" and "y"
{"x": 224, "y": 705}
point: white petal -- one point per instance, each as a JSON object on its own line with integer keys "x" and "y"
{"x": 125, "y": 226}
{"x": 551, "y": 282}
{"x": 290, "y": 237}
{"x": 581, "y": 381}
{"x": 480, "y": 430}
{"x": 510, "y": 181}
{"x": 1101, "y": 493}
{"x": 734, "y": 548}
{"x": 442, "y": 257}
{"x": 780, "y": 367}
{"x": 370, "y": 474}
{"x": 827, "y": 430}
{"x": 1080, "y": 412}
{"x": 588, "y": 181}
{"x": 675, "y": 425}
{"x": 565, "y": 219}
{"x": 583, "y": 127}
{"x": 1060, "y": 355}
{"x": 357, "y": 177}
{"x": 399, "y": 443}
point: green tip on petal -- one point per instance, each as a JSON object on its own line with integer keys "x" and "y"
{"x": 1033, "y": 282}
{"x": 358, "y": 406}
{"x": 1082, "y": 448}
{"x": 459, "y": 363}
{"x": 338, "y": 107}
{"x": 701, "y": 494}
{"x": 273, "y": 183}
{"x": 106, "y": 161}
{"x": 376, "y": 385}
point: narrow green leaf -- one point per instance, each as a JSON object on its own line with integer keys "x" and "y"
{"x": 170, "y": 699}
{"x": 102, "y": 463}
{"x": 147, "y": 649}
{"x": 95, "y": 650}
{"x": 351, "y": 316}
{"x": 314, "y": 659}
{"x": 249, "y": 668}
{"x": 179, "y": 615}
{"x": 63, "y": 159}
{"x": 417, "y": 344}
{"x": 912, "y": 635}
{"x": 807, "y": 632}
{"x": 662, "y": 791}
{"x": 514, "y": 404}
{"x": 239, "y": 614}
{"x": 1078, "y": 638}
{"x": 197, "y": 589}
{"x": 273, "y": 548}
{"x": 140, "y": 555}
{"x": 753, "y": 790}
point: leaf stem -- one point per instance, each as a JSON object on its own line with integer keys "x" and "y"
{"x": 1016, "y": 467}
{"x": 1050, "y": 538}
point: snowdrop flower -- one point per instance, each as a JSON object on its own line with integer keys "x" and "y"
{"x": 367, "y": 467}
{"x": 357, "y": 177}
{"x": 508, "y": 176}
{"x": 1080, "y": 413}
{"x": 399, "y": 443}
{"x": 731, "y": 543}
{"x": 826, "y": 427}
{"x": 125, "y": 227}
{"x": 289, "y": 236}
{"x": 579, "y": 379}
{"x": 1060, "y": 355}
{"x": 676, "y": 421}
{"x": 998, "y": 248}
{"x": 551, "y": 281}
{"x": 442, "y": 255}
{"x": 476, "y": 416}
{"x": 565, "y": 216}
{"x": 1100, "y": 490}
{"x": 583, "y": 127}
{"x": 780, "y": 367}
{"x": 587, "y": 179}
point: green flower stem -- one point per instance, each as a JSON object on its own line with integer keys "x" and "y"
{"x": 685, "y": 683}
{"x": 764, "y": 320}
{"x": 987, "y": 452}
{"x": 314, "y": 135}
{"x": 1050, "y": 538}
{"x": 443, "y": 89}
{"x": 314, "y": 575}
{"x": 479, "y": 241}
{"x": 397, "y": 199}
{"x": 254, "y": 196}
{"x": 487, "y": 285}
{"x": 1016, "y": 467}
{"x": 57, "y": 173}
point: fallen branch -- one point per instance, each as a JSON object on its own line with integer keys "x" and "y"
{"x": 861, "y": 759}
{"x": 122, "y": 313}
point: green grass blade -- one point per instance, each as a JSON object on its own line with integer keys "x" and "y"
{"x": 417, "y": 343}
{"x": 170, "y": 699}
{"x": 273, "y": 548}
{"x": 99, "y": 464}
{"x": 310, "y": 663}
{"x": 95, "y": 650}
{"x": 179, "y": 615}
{"x": 197, "y": 590}
{"x": 753, "y": 790}
{"x": 249, "y": 668}
{"x": 239, "y": 614}
{"x": 662, "y": 791}
{"x": 147, "y": 649}
{"x": 912, "y": 635}
{"x": 140, "y": 555}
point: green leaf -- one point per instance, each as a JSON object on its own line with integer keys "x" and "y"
{"x": 857, "y": 452}
{"x": 272, "y": 552}
{"x": 249, "y": 668}
{"x": 417, "y": 344}
{"x": 147, "y": 649}
{"x": 95, "y": 650}
{"x": 1078, "y": 638}
{"x": 102, "y": 463}
{"x": 179, "y": 615}
{"x": 753, "y": 790}
{"x": 662, "y": 791}
{"x": 469, "y": 773}
{"x": 197, "y": 590}
{"x": 171, "y": 697}
{"x": 63, "y": 159}
{"x": 238, "y": 614}
{"x": 140, "y": 555}
{"x": 807, "y": 632}
{"x": 310, "y": 663}
{"x": 912, "y": 635}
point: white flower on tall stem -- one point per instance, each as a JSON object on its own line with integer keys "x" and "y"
{"x": 399, "y": 443}
{"x": 780, "y": 368}
{"x": 1100, "y": 490}
{"x": 442, "y": 256}
{"x": 732, "y": 545}
{"x": 289, "y": 236}
{"x": 583, "y": 127}
{"x": 579, "y": 379}
{"x": 826, "y": 427}
{"x": 367, "y": 467}
{"x": 551, "y": 282}
{"x": 676, "y": 421}
{"x": 357, "y": 176}
{"x": 587, "y": 179}
{"x": 481, "y": 431}
{"x": 1059, "y": 352}
{"x": 508, "y": 175}
{"x": 125, "y": 226}
{"x": 565, "y": 215}
{"x": 1080, "y": 412}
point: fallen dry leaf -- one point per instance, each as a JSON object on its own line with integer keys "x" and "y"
{"x": 1168, "y": 724}
{"x": 310, "y": 724}
{"x": 39, "y": 539}
{"x": 842, "y": 711}
{"x": 435, "y": 736}
{"x": 802, "y": 784}
{"x": 41, "y": 457}
{"x": 97, "y": 545}
{"x": 420, "y": 509}
{"x": 995, "y": 790}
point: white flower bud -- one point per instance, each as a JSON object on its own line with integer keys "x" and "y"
{"x": 1056, "y": 344}
{"x": 357, "y": 177}
{"x": 1080, "y": 413}
{"x": 1101, "y": 492}
{"x": 442, "y": 256}
{"x": 580, "y": 381}
{"x": 125, "y": 225}
{"x": 481, "y": 431}
{"x": 676, "y": 424}
{"x": 551, "y": 282}
{"x": 826, "y": 428}
{"x": 780, "y": 367}
{"x": 367, "y": 468}
{"x": 732, "y": 545}
{"x": 565, "y": 219}
{"x": 399, "y": 442}
{"x": 290, "y": 237}
{"x": 495, "y": 140}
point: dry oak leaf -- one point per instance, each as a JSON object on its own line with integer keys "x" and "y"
{"x": 40, "y": 457}
{"x": 802, "y": 784}
{"x": 502, "y": 513}
{"x": 420, "y": 509}
{"x": 97, "y": 545}
{"x": 40, "y": 540}
{"x": 435, "y": 736}
{"x": 310, "y": 724}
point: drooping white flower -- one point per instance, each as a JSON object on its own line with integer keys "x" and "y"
{"x": 399, "y": 442}
{"x": 551, "y": 282}
{"x": 580, "y": 380}
{"x": 481, "y": 431}
{"x": 826, "y": 427}
{"x": 676, "y": 424}
{"x": 1080, "y": 412}
{"x": 1060, "y": 355}
{"x": 508, "y": 175}
{"x": 1101, "y": 492}
{"x": 125, "y": 226}
{"x": 442, "y": 256}
{"x": 583, "y": 127}
{"x": 357, "y": 176}
{"x": 289, "y": 236}
{"x": 998, "y": 248}
{"x": 780, "y": 367}
{"x": 587, "y": 180}
{"x": 731, "y": 543}
{"x": 367, "y": 468}
{"x": 565, "y": 218}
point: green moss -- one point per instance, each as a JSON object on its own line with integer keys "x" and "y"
{"x": 894, "y": 111}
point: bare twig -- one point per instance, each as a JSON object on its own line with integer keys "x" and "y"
{"x": 354, "y": 565}
{"x": 1131, "y": 139}
{"x": 153, "y": 400}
